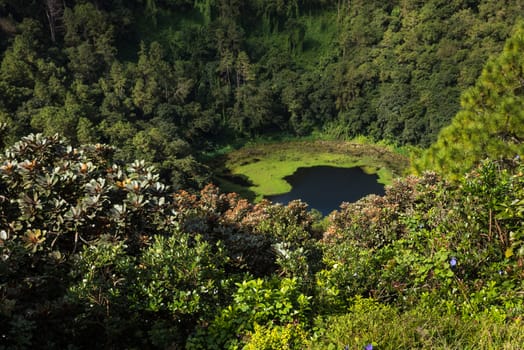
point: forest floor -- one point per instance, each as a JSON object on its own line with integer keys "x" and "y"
{"x": 255, "y": 171}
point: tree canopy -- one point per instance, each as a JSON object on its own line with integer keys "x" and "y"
{"x": 199, "y": 70}
{"x": 111, "y": 235}
{"x": 490, "y": 123}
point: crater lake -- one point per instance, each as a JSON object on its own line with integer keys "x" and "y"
{"x": 325, "y": 187}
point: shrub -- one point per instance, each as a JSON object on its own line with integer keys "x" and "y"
{"x": 256, "y": 301}
{"x": 450, "y": 239}
{"x": 157, "y": 297}
{"x": 288, "y": 337}
{"x": 385, "y": 327}
{"x": 54, "y": 199}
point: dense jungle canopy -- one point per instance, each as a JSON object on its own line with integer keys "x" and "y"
{"x": 112, "y": 237}
{"x": 165, "y": 80}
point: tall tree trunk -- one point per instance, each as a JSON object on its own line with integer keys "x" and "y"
{"x": 54, "y": 10}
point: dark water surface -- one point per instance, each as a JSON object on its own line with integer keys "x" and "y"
{"x": 325, "y": 187}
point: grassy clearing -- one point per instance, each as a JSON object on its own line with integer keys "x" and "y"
{"x": 260, "y": 169}
{"x": 421, "y": 329}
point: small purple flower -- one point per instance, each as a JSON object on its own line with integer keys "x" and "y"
{"x": 501, "y": 272}
{"x": 368, "y": 347}
{"x": 517, "y": 157}
{"x": 453, "y": 262}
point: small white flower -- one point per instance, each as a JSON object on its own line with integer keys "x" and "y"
{"x": 3, "y": 235}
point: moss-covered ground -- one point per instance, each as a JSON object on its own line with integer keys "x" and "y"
{"x": 259, "y": 170}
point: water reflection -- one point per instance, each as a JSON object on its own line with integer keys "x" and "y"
{"x": 325, "y": 187}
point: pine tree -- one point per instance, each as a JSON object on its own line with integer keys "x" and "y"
{"x": 490, "y": 123}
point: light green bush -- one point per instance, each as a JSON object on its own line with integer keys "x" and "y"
{"x": 288, "y": 337}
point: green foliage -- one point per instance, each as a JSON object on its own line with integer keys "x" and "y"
{"x": 490, "y": 123}
{"x": 398, "y": 69}
{"x": 456, "y": 244}
{"x": 179, "y": 276}
{"x": 103, "y": 249}
{"x": 202, "y": 69}
{"x": 55, "y": 199}
{"x": 88, "y": 38}
{"x": 285, "y": 337}
{"x": 255, "y": 302}
{"x": 369, "y": 322}
{"x": 76, "y": 194}
{"x": 100, "y": 273}
{"x": 96, "y": 252}
{"x": 174, "y": 283}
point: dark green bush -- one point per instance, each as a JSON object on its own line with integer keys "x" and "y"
{"x": 157, "y": 297}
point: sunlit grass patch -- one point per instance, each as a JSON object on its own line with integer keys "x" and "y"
{"x": 369, "y": 322}
{"x": 266, "y": 165}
